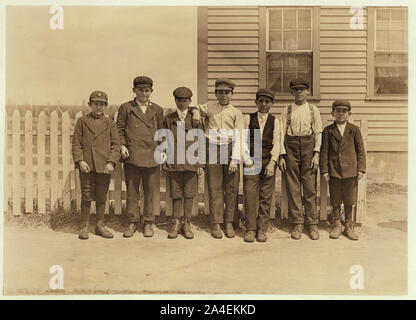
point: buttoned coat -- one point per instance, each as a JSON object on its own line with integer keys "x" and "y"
{"x": 171, "y": 122}
{"x": 95, "y": 146}
{"x": 342, "y": 156}
{"x": 137, "y": 131}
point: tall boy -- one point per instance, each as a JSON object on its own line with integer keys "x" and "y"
{"x": 299, "y": 157}
{"x": 96, "y": 151}
{"x": 342, "y": 162}
{"x": 260, "y": 187}
{"x": 223, "y": 130}
{"x": 183, "y": 175}
{"x": 137, "y": 122}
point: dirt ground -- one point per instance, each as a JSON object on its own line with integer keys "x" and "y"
{"x": 207, "y": 266}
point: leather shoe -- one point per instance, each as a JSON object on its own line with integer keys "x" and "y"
{"x": 102, "y": 231}
{"x": 83, "y": 234}
{"x": 336, "y": 230}
{"x": 216, "y": 231}
{"x": 148, "y": 229}
{"x": 229, "y": 230}
{"x": 177, "y": 226}
{"x": 297, "y": 231}
{"x": 313, "y": 232}
{"x": 187, "y": 233}
{"x": 130, "y": 230}
{"x": 261, "y": 236}
{"x": 250, "y": 236}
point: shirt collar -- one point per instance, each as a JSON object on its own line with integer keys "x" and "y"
{"x": 262, "y": 115}
{"x": 180, "y": 113}
{"x": 96, "y": 116}
{"x": 140, "y": 104}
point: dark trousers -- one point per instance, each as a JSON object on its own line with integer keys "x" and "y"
{"x": 257, "y": 189}
{"x": 149, "y": 178}
{"x": 299, "y": 151}
{"x": 183, "y": 184}
{"x": 343, "y": 190}
{"x": 222, "y": 188}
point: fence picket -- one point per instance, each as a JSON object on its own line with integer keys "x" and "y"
{"x": 54, "y": 160}
{"x": 41, "y": 164}
{"x": 77, "y": 182}
{"x": 362, "y": 184}
{"x": 16, "y": 163}
{"x": 66, "y": 161}
{"x": 28, "y": 163}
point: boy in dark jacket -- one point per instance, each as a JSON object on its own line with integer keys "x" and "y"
{"x": 342, "y": 162}
{"x": 182, "y": 174}
{"x": 96, "y": 151}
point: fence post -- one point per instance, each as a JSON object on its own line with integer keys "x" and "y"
{"x": 41, "y": 164}
{"x": 54, "y": 160}
{"x": 28, "y": 163}
{"x": 66, "y": 162}
{"x": 362, "y": 184}
{"x": 77, "y": 182}
{"x": 16, "y": 163}
{"x": 283, "y": 198}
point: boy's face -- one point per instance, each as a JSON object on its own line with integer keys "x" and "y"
{"x": 97, "y": 107}
{"x": 264, "y": 104}
{"x": 223, "y": 96}
{"x": 143, "y": 93}
{"x": 340, "y": 114}
{"x": 182, "y": 103}
{"x": 300, "y": 93}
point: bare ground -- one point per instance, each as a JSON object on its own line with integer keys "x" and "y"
{"x": 34, "y": 243}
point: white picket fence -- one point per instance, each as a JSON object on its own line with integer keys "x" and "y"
{"x": 41, "y": 175}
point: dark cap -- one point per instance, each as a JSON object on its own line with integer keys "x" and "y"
{"x": 224, "y": 84}
{"x": 265, "y": 92}
{"x": 142, "y": 81}
{"x": 299, "y": 82}
{"x": 341, "y": 103}
{"x": 98, "y": 95}
{"x": 182, "y": 92}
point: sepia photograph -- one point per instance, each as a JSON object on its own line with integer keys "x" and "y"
{"x": 189, "y": 150}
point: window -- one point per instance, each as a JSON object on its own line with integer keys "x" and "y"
{"x": 289, "y": 48}
{"x": 388, "y": 70}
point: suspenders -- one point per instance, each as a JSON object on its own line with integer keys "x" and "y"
{"x": 289, "y": 116}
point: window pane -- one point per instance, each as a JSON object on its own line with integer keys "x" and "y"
{"x": 304, "y": 19}
{"x": 275, "y": 19}
{"x": 275, "y": 63}
{"x": 397, "y": 40}
{"x": 289, "y": 19}
{"x": 289, "y": 40}
{"x": 289, "y": 63}
{"x": 275, "y": 40}
{"x": 304, "y": 63}
{"x": 391, "y": 74}
{"x": 382, "y": 40}
{"x": 304, "y": 38}
{"x": 274, "y": 81}
{"x": 286, "y": 80}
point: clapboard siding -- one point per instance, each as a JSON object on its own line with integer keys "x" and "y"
{"x": 233, "y": 41}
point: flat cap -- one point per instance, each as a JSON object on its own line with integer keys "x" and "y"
{"x": 224, "y": 84}
{"x": 299, "y": 82}
{"x": 98, "y": 95}
{"x": 182, "y": 92}
{"x": 265, "y": 92}
{"x": 142, "y": 81}
{"x": 341, "y": 103}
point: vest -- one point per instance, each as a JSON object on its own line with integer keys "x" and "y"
{"x": 267, "y": 138}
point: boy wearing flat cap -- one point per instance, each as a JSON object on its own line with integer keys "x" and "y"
{"x": 223, "y": 131}
{"x": 182, "y": 174}
{"x": 342, "y": 162}
{"x": 96, "y": 151}
{"x": 259, "y": 188}
{"x": 299, "y": 157}
{"x": 137, "y": 122}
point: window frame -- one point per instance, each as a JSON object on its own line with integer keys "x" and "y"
{"x": 263, "y": 38}
{"x": 371, "y": 37}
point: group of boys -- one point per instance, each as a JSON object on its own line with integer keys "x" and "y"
{"x": 297, "y": 145}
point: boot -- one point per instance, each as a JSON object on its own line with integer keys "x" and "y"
{"x": 102, "y": 231}
{"x": 130, "y": 230}
{"x": 313, "y": 232}
{"x": 148, "y": 229}
{"x": 83, "y": 234}
{"x": 297, "y": 231}
{"x": 336, "y": 229}
{"x": 261, "y": 234}
{"x": 216, "y": 231}
{"x": 229, "y": 230}
{"x": 250, "y": 236}
{"x": 177, "y": 226}
{"x": 187, "y": 233}
{"x": 349, "y": 231}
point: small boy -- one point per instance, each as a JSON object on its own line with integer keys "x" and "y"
{"x": 260, "y": 187}
{"x": 96, "y": 151}
{"x": 342, "y": 162}
{"x": 183, "y": 176}
{"x": 299, "y": 157}
{"x": 137, "y": 122}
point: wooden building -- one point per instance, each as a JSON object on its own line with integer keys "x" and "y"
{"x": 358, "y": 54}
